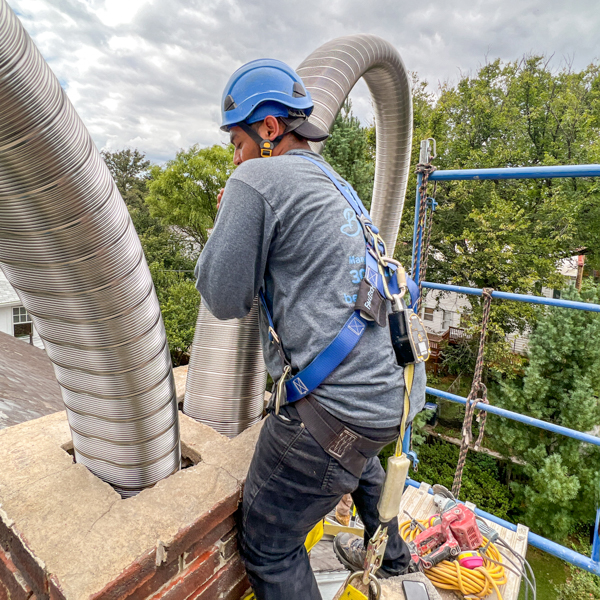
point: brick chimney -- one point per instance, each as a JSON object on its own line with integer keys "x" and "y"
{"x": 65, "y": 534}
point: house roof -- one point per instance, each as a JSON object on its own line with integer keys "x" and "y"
{"x": 28, "y": 387}
{"x": 8, "y": 296}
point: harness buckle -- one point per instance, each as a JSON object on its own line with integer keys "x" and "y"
{"x": 280, "y": 389}
{"x": 375, "y": 552}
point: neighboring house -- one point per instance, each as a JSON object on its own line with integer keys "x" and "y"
{"x": 14, "y": 319}
{"x": 28, "y": 386}
{"x": 442, "y": 311}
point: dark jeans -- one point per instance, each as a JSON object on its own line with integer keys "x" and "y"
{"x": 292, "y": 484}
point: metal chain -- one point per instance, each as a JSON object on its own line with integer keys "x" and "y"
{"x": 477, "y": 394}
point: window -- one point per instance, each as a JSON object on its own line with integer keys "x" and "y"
{"x": 428, "y": 314}
{"x": 556, "y": 294}
{"x": 447, "y": 321}
{"x": 22, "y": 326}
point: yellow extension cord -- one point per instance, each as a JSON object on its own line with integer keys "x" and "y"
{"x": 473, "y": 584}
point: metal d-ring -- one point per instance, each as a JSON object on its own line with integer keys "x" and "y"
{"x": 372, "y": 578}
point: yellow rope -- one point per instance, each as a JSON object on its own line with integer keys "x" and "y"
{"x": 473, "y": 584}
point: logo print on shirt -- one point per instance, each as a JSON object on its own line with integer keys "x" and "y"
{"x": 300, "y": 386}
{"x": 352, "y": 228}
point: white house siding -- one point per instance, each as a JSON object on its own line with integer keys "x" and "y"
{"x": 8, "y": 301}
{"x": 448, "y": 306}
{"x": 6, "y": 320}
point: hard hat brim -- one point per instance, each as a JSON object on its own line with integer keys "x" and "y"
{"x": 308, "y": 130}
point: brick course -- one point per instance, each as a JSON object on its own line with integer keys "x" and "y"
{"x": 13, "y": 583}
{"x": 26, "y": 567}
{"x": 209, "y": 568}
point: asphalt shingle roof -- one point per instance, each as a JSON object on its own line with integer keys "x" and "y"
{"x": 28, "y": 387}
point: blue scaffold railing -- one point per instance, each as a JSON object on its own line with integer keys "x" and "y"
{"x": 591, "y": 564}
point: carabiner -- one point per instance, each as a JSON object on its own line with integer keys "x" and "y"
{"x": 273, "y": 335}
{"x": 280, "y": 389}
{"x": 370, "y": 577}
{"x": 397, "y": 300}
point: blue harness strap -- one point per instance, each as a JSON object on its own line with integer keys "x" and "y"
{"x": 327, "y": 360}
{"x": 330, "y": 357}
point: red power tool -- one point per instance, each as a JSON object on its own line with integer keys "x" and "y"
{"x": 453, "y": 532}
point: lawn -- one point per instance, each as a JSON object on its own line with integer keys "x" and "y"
{"x": 549, "y": 571}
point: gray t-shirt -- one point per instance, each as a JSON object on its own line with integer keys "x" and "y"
{"x": 282, "y": 221}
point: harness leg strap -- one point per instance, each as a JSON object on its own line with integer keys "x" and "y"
{"x": 334, "y": 437}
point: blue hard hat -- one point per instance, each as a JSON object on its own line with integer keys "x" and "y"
{"x": 260, "y": 88}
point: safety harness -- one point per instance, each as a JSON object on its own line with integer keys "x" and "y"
{"x": 381, "y": 273}
{"x": 384, "y": 279}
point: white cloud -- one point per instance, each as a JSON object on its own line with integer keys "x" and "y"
{"x": 117, "y": 12}
{"x": 149, "y": 73}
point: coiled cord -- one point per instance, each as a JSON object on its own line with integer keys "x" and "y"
{"x": 473, "y": 584}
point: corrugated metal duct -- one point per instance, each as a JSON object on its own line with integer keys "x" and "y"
{"x": 329, "y": 73}
{"x": 226, "y": 375}
{"x": 68, "y": 246}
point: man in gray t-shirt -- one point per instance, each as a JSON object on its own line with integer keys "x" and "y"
{"x": 282, "y": 225}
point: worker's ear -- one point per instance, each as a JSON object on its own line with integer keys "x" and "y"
{"x": 270, "y": 128}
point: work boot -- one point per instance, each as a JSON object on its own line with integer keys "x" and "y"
{"x": 351, "y": 552}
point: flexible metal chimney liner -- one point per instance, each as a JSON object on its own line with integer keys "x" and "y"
{"x": 67, "y": 245}
{"x": 329, "y": 74}
{"x": 226, "y": 375}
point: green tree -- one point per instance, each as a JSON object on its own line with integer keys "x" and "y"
{"x": 168, "y": 253}
{"x": 561, "y": 386}
{"x": 509, "y": 235}
{"x": 581, "y": 585}
{"x": 179, "y": 302}
{"x": 349, "y": 150}
{"x": 161, "y": 243}
{"x": 182, "y": 196}
{"x": 129, "y": 169}
{"x": 183, "y": 193}
{"x": 481, "y": 476}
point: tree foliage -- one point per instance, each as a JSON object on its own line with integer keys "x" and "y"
{"x": 561, "y": 386}
{"x": 349, "y": 150}
{"x": 509, "y": 235}
{"x": 581, "y": 585}
{"x": 183, "y": 193}
{"x": 168, "y": 253}
{"x": 179, "y": 302}
{"x": 481, "y": 476}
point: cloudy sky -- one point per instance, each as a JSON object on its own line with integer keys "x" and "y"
{"x": 149, "y": 74}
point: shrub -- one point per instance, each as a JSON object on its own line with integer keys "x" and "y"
{"x": 581, "y": 585}
{"x": 481, "y": 485}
